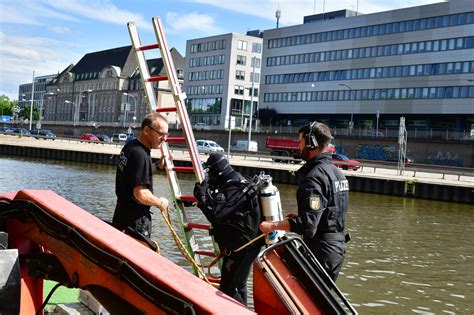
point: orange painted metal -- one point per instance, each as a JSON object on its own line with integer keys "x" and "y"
{"x": 155, "y": 268}
{"x": 275, "y": 277}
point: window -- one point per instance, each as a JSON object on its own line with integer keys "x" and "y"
{"x": 238, "y": 90}
{"x": 256, "y": 47}
{"x": 242, "y": 45}
{"x": 240, "y": 75}
{"x": 241, "y": 60}
{"x": 255, "y": 62}
{"x": 255, "y": 77}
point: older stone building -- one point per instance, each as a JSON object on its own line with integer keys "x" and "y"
{"x": 104, "y": 89}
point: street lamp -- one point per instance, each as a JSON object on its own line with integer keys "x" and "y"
{"x": 80, "y": 102}
{"x": 134, "y": 105}
{"x": 38, "y": 124}
{"x": 351, "y": 123}
{"x": 74, "y": 117}
{"x": 251, "y": 103}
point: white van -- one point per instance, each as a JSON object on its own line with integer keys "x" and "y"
{"x": 242, "y": 145}
{"x": 119, "y": 137}
{"x": 208, "y": 146}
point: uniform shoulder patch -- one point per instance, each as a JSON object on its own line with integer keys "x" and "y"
{"x": 315, "y": 203}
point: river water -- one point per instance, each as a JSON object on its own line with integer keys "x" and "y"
{"x": 406, "y": 256}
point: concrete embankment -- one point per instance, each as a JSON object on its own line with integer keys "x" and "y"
{"x": 383, "y": 181}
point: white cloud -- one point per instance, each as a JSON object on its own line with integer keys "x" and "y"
{"x": 29, "y": 12}
{"x": 104, "y": 11}
{"x": 191, "y": 21}
{"x": 60, "y": 29}
{"x": 20, "y": 55}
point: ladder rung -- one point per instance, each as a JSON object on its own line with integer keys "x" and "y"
{"x": 166, "y": 109}
{"x": 175, "y": 139}
{"x": 187, "y": 198}
{"x": 215, "y": 280}
{"x": 205, "y": 253}
{"x": 157, "y": 78}
{"x": 185, "y": 169}
{"x": 148, "y": 47}
{"x": 198, "y": 226}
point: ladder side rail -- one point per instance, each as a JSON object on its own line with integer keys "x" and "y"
{"x": 190, "y": 238}
{"x": 179, "y": 98}
{"x": 142, "y": 65}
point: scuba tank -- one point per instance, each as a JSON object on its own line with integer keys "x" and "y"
{"x": 270, "y": 205}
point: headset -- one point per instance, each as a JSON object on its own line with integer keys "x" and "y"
{"x": 310, "y": 139}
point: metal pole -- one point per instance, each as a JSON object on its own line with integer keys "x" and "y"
{"x": 32, "y": 97}
{"x": 377, "y": 129}
{"x": 251, "y": 105}
{"x": 230, "y": 128}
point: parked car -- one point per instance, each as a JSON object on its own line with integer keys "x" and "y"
{"x": 104, "y": 137}
{"x": 338, "y": 157}
{"x": 89, "y": 137}
{"x": 44, "y": 133}
{"x": 119, "y": 137}
{"x": 6, "y": 130}
{"x": 208, "y": 146}
{"x": 243, "y": 145}
{"x": 22, "y": 131}
{"x": 201, "y": 126}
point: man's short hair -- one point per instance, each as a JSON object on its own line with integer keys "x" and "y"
{"x": 150, "y": 118}
{"x": 321, "y": 131}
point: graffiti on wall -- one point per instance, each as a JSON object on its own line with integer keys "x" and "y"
{"x": 376, "y": 152}
{"x": 444, "y": 158}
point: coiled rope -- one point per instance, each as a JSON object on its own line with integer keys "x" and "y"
{"x": 181, "y": 246}
{"x": 189, "y": 257}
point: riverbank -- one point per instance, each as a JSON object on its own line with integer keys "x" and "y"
{"x": 414, "y": 184}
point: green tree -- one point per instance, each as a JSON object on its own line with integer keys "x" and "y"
{"x": 6, "y": 105}
{"x": 25, "y": 113}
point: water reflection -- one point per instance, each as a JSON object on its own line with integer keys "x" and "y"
{"x": 407, "y": 255}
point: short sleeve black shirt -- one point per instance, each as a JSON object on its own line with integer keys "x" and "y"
{"x": 134, "y": 168}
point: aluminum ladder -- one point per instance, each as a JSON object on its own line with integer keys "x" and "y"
{"x": 179, "y": 200}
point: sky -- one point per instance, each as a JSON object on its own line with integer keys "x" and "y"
{"x": 48, "y": 35}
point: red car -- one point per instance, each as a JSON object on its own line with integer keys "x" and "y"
{"x": 338, "y": 157}
{"x": 89, "y": 137}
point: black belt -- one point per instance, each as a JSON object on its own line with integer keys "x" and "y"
{"x": 334, "y": 236}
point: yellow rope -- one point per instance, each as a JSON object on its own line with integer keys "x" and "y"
{"x": 249, "y": 243}
{"x": 182, "y": 248}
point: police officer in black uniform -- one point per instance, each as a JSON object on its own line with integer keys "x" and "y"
{"x": 322, "y": 197}
{"x": 230, "y": 205}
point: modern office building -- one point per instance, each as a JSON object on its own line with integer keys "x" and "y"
{"x": 222, "y": 74}
{"x": 104, "y": 88}
{"x": 25, "y": 91}
{"x": 346, "y": 68}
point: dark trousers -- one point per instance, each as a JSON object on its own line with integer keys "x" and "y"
{"x": 235, "y": 272}
{"x": 330, "y": 255}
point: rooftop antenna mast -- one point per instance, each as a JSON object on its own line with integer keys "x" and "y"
{"x": 278, "y": 15}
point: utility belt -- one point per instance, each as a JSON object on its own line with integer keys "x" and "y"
{"x": 334, "y": 236}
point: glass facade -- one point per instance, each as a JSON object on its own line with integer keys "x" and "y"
{"x": 446, "y": 92}
{"x": 375, "y": 30}
{"x": 375, "y": 51}
{"x": 374, "y": 73}
{"x": 204, "y": 105}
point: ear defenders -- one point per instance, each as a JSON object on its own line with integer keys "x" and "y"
{"x": 310, "y": 139}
